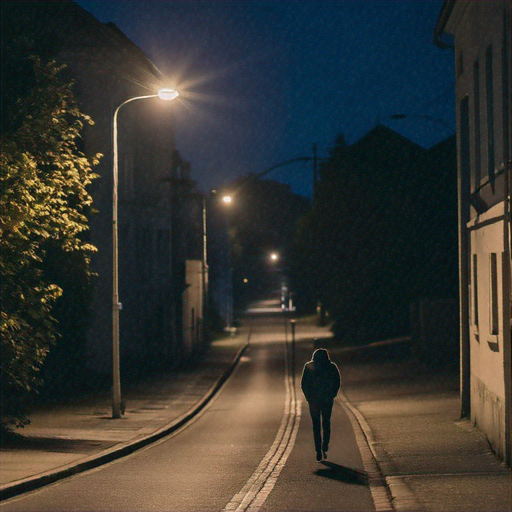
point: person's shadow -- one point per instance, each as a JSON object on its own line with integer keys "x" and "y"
{"x": 342, "y": 473}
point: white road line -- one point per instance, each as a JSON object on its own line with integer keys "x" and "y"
{"x": 262, "y": 481}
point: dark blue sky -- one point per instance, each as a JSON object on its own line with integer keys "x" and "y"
{"x": 262, "y": 81}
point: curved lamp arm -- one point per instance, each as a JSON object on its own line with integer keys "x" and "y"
{"x": 166, "y": 95}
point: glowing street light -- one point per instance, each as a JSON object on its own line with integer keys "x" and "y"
{"x": 227, "y": 199}
{"x": 166, "y": 95}
{"x": 274, "y": 256}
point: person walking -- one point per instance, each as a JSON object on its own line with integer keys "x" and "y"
{"x": 320, "y": 384}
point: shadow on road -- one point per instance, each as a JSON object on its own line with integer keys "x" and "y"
{"x": 342, "y": 473}
{"x": 52, "y": 444}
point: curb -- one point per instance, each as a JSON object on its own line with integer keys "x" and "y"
{"x": 380, "y": 491}
{"x": 389, "y": 493}
{"x": 18, "y": 487}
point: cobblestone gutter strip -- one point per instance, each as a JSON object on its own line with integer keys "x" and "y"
{"x": 37, "y": 481}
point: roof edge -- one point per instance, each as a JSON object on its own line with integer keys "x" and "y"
{"x": 125, "y": 40}
{"x": 444, "y": 15}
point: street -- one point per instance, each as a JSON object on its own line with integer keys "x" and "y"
{"x": 198, "y": 195}
{"x": 250, "y": 449}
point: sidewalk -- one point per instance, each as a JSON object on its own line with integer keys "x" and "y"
{"x": 426, "y": 457}
{"x": 65, "y": 440}
{"x": 412, "y": 441}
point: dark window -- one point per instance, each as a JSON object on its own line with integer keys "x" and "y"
{"x": 464, "y": 149}
{"x": 162, "y": 244}
{"x": 490, "y": 111}
{"x": 505, "y": 70}
{"x": 460, "y": 63}
{"x": 144, "y": 252}
{"x": 478, "y": 140}
{"x": 493, "y": 293}
{"x": 126, "y": 175}
{"x": 475, "y": 290}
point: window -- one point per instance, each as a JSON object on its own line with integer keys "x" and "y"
{"x": 460, "y": 63}
{"x": 163, "y": 241}
{"x": 478, "y": 140}
{"x": 493, "y": 294}
{"x": 490, "y": 111}
{"x": 475, "y": 292}
{"x": 505, "y": 73}
{"x": 465, "y": 169}
{"x": 192, "y": 322}
{"x": 144, "y": 252}
{"x": 126, "y": 175}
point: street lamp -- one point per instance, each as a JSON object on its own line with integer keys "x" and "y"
{"x": 166, "y": 95}
{"x": 228, "y": 199}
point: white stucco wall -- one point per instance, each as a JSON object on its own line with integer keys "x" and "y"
{"x": 478, "y": 26}
{"x": 487, "y": 349}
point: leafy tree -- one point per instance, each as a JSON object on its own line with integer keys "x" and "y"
{"x": 44, "y": 202}
{"x": 318, "y": 232}
{"x": 380, "y": 234}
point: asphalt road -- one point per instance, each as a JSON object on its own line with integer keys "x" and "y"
{"x": 250, "y": 449}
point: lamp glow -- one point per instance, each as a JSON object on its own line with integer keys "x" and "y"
{"x": 168, "y": 94}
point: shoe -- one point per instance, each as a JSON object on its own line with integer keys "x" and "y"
{"x": 325, "y": 454}
{"x": 319, "y": 456}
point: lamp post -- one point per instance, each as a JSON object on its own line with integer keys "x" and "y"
{"x": 166, "y": 95}
{"x": 225, "y": 290}
{"x": 227, "y": 200}
{"x": 205, "y": 277}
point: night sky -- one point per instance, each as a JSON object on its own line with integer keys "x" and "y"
{"x": 262, "y": 81}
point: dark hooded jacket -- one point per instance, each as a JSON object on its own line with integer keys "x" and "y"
{"x": 320, "y": 378}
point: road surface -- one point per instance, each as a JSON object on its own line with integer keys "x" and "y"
{"x": 250, "y": 449}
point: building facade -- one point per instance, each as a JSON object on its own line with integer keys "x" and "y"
{"x": 108, "y": 69}
{"x": 482, "y": 46}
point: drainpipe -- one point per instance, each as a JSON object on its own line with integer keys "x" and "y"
{"x": 463, "y": 191}
{"x": 463, "y": 216}
{"x": 507, "y": 235}
{"x": 464, "y": 280}
{"x": 507, "y": 312}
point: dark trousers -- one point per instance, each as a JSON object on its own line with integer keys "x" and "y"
{"x": 321, "y": 416}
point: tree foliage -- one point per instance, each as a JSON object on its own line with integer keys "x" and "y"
{"x": 381, "y": 234}
{"x": 44, "y": 201}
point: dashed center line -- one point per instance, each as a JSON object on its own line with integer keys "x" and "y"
{"x": 262, "y": 481}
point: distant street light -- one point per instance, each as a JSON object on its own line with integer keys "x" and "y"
{"x": 166, "y": 95}
{"x": 228, "y": 199}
